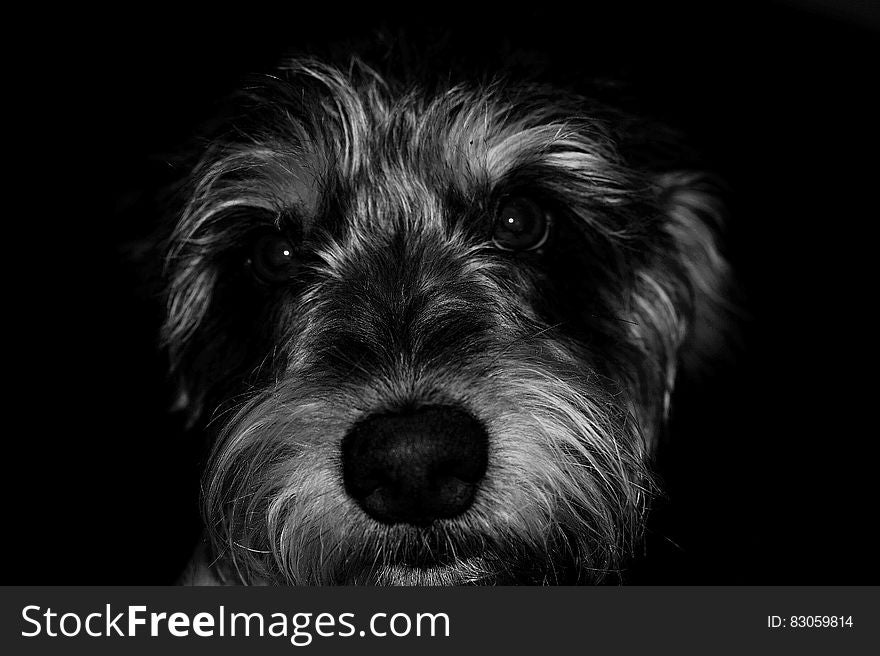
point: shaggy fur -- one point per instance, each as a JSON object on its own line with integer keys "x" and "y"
{"x": 566, "y": 352}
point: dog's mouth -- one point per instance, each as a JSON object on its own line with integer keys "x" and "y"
{"x": 470, "y": 571}
{"x": 478, "y": 570}
{"x": 438, "y": 559}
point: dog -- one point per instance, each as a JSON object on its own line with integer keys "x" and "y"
{"x": 434, "y": 328}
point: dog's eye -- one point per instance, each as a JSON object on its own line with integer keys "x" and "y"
{"x": 273, "y": 258}
{"x": 520, "y": 225}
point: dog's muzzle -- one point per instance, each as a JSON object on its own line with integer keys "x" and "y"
{"x": 415, "y": 466}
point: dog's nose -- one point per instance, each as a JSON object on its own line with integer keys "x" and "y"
{"x": 415, "y": 466}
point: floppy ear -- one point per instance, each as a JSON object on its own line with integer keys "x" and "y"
{"x": 695, "y": 215}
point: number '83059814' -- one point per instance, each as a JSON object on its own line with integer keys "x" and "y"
{"x": 810, "y": 622}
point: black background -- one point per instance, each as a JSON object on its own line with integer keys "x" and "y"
{"x": 770, "y": 476}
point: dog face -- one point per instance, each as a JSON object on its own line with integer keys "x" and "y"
{"x": 438, "y": 330}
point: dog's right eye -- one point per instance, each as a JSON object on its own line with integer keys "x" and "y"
{"x": 273, "y": 259}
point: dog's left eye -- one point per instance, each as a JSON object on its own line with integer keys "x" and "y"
{"x": 520, "y": 225}
{"x": 273, "y": 258}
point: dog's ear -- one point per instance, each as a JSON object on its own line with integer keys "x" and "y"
{"x": 145, "y": 257}
{"x": 695, "y": 212}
